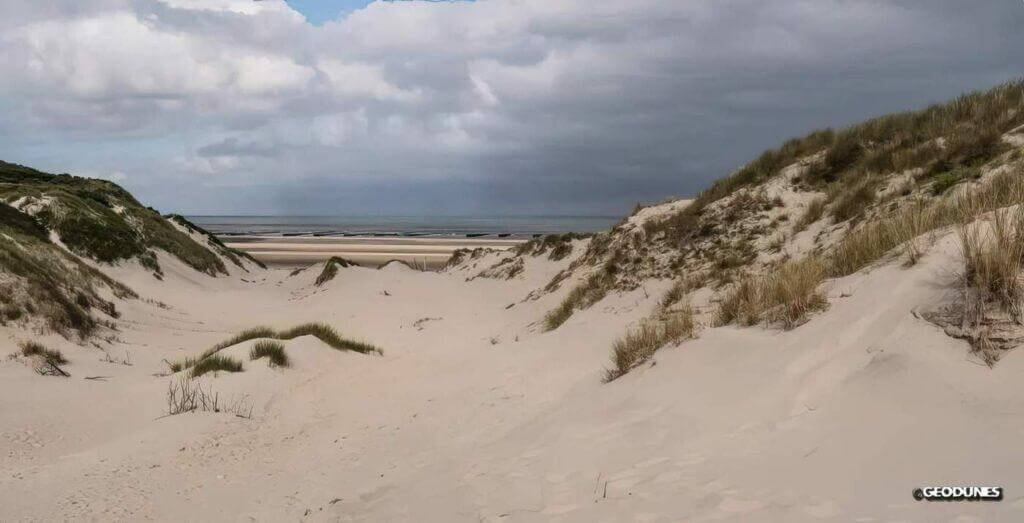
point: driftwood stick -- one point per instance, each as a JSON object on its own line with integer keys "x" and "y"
{"x": 58, "y": 369}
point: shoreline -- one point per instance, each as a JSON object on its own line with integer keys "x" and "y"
{"x": 371, "y": 251}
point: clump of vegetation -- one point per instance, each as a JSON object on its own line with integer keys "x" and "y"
{"x": 945, "y": 180}
{"x": 787, "y": 296}
{"x": 638, "y": 345}
{"x": 214, "y": 363}
{"x": 322, "y": 331}
{"x": 843, "y": 153}
{"x": 854, "y": 201}
{"x": 328, "y": 335}
{"x": 681, "y": 287}
{"x": 869, "y": 243}
{"x": 331, "y": 269}
{"x": 272, "y": 350}
{"x": 585, "y": 294}
{"x": 992, "y": 262}
{"x": 51, "y": 356}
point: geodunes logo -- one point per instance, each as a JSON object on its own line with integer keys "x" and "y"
{"x": 948, "y": 493}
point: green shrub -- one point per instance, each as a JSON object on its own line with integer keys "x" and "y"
{"x": 945, "y": 180}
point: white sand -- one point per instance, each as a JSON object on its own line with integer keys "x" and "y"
{"x": 478, "y": 416}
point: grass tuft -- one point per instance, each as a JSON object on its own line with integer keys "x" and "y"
{"x": 992, "y": 261}
{"x": 51, "y": 356}
{"x": 331, "y": 269}
{"x": 638, "y": 345}
{"x": 215, "y": 363}
{"x": 328, "y": 335}
{"x": 587, "y": 293}
{"x": 786, "y": 296}
{"x": 324, "y": 332}
{"x": 272, "y": 350}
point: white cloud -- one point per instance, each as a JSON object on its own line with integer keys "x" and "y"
{"x": 613, "y": 92}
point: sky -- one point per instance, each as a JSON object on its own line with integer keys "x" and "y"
{"x": 562, "y": 107}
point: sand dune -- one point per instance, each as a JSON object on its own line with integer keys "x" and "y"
{"x": 474, "y": 414}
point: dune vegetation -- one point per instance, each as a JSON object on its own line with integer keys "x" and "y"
{"x": 272, "y": 350}
{"x": 886, "y": 186}
{"x": 330, "y": 269}
{"x": 321, "y": 331}
{"x": 52, "y": 356}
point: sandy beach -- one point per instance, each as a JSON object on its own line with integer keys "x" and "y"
{"x": 293, "y": 251}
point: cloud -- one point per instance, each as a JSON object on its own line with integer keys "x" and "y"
{"x": 619, "y": 101}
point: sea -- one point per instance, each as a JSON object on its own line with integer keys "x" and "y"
{"x": 407, "y": 226}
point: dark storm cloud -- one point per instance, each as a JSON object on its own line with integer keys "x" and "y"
{"x": 510, "y": 106}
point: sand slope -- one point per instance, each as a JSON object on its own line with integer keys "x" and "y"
{"x": 473, "y": 414}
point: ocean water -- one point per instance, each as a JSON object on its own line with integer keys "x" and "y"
{"x": 454, "y": 226}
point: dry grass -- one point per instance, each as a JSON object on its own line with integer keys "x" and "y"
{"x": 51, "y": 356}
{"x": 272, "y": 350}
{"x": 786, "y": 296}
{"x": 992, "y": 259}
{"x": 187, "y": 395}
{"x": 587, "y": 293}
{"x": 680, "y": 288}
{"x": 814, "y": 212}
{"x": 874, "y": 240}
{"x": 638, "y": 345}
{"x": 854, "y": 200}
